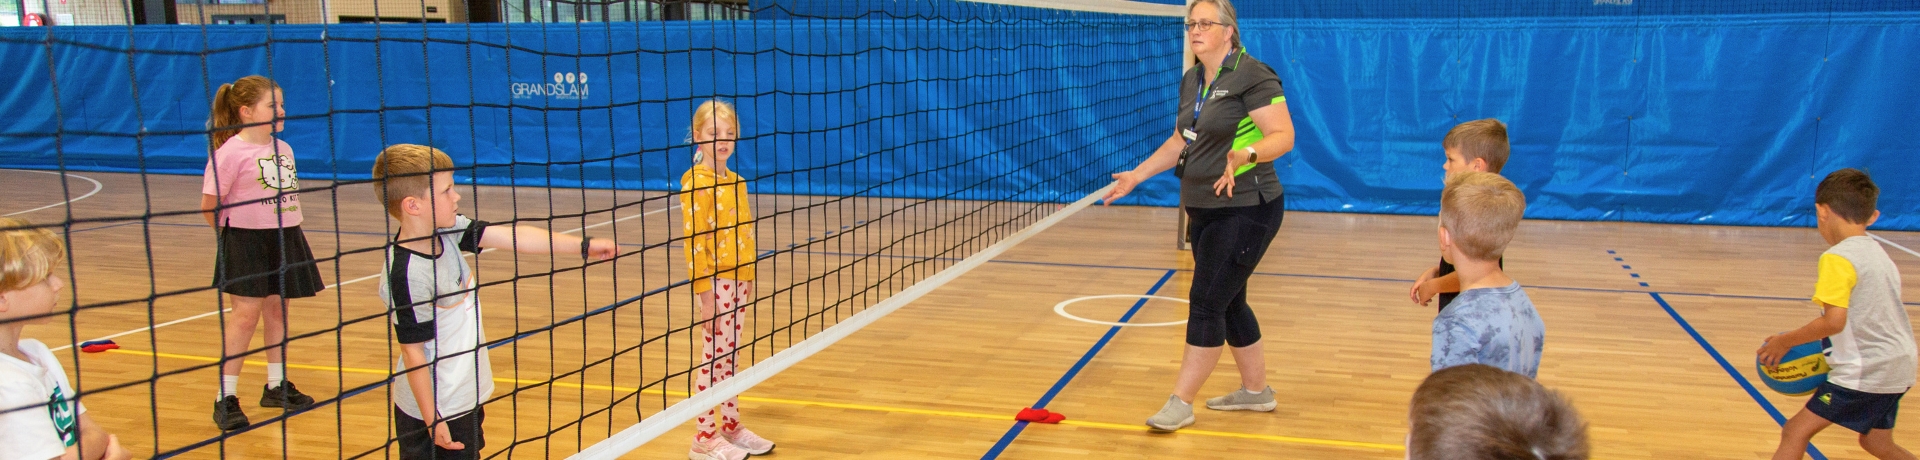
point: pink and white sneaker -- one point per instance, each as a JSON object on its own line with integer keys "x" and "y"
{"x": 716, "y": 448}
{"x": 752, "y": 443}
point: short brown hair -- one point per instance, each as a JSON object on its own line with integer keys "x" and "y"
{"x": 27, "y": 254}
{"x": 1478, "y": 411}
{"x": 1485, "y": 139}
{"x": 406, "y": 170}
{"x": 1850, "y": 194}
{"x": 1481, "y": 211}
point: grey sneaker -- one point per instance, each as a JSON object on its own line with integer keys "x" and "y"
{"x": 1173, "y": 416}
{"x": 1241, "y": 399}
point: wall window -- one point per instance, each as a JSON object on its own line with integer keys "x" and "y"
{"x": 247, "y": 19}
{"x": 387, "y": 20}
{"x": 614, "y": 11}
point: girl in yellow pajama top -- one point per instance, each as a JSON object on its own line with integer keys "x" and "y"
{"x": 720, "y": 251}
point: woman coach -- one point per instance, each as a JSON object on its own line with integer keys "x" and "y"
{"x": 1233, "y": 123}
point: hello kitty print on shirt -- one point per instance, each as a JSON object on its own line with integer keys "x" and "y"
{"x": 257, "y": 184}
{"x": 277, "y": 173}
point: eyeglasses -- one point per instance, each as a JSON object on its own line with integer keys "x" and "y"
{"x": 1202, "y": 26}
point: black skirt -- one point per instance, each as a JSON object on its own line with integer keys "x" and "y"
{"x": 261, "y": 263}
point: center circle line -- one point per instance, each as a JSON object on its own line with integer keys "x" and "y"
{"x": 1061, "y": 309}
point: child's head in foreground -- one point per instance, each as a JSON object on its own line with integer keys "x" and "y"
{"x": 1481, "y": 412}
{"x": 29, "y": 288}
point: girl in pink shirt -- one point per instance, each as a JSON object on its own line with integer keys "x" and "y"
{"x": 250, "y": 200}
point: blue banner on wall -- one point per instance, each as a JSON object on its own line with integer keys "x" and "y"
{"x": 1709, "y": 120}
{"x": 875, "y": 108}
{"x": 1454, "y": 9}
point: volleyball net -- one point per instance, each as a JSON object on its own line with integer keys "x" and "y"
{"x": 886, "y": 146}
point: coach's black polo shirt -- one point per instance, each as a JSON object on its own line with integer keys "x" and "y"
{"x": 1245, "y": 84}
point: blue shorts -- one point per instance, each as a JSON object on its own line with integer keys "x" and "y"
{"x": 1857, "y": 410}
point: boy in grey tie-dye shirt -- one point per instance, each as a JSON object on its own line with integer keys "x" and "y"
{"x": 1492, "y": 322}
{"x": 1492, "y": 326}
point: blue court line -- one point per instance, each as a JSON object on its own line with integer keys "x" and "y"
{"x": 1727, "y": 366}
{"x": 1014, "y": 432}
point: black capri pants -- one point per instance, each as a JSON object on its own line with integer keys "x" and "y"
{"x": 1227, "y": 244}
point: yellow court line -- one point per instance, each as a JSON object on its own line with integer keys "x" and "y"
{"x": 795, "y": 402}
{"x": 1229, "y": 434}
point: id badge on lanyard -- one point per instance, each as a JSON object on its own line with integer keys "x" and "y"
{"x": 1199, "y": 102}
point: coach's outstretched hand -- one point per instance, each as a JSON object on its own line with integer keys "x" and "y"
{"x": 1224, "y": 186}
{"x": 1123, "y": 183}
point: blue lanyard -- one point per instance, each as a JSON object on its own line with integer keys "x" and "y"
{"x": 1200, "y": 99}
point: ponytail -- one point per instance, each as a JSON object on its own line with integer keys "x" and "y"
{"x": 224, "y": 114}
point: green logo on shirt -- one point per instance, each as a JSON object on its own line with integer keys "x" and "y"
{"x": 61, "y": 411}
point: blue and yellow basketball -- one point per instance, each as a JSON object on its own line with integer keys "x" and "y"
{"x": 1801, "y": 370}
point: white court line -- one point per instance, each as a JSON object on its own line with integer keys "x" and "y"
{"x": 1895, "y": 245}
{"x": 96, "y": 189}
{"x": 1061, "y": 308}
{"x": 667, "y": 419}
{"x": 342, "y": 283}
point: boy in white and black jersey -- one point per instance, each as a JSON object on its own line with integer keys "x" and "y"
{"x": 443, "y": 373}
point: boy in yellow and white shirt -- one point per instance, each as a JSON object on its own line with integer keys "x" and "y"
{"x": 1868, "y": 338}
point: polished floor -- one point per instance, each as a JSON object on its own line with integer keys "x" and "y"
{"x": 1650, "y": 329}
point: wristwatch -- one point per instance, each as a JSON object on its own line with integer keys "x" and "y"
{"x": 1253, "y": 159}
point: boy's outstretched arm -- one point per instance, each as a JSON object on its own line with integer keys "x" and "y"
{"x": 534, "y": 240}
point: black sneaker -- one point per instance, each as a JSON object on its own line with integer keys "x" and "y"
{"x": 286, "y": 397}
{"x": 227, "y": 415}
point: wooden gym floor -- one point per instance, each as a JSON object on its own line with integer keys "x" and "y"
{"x": 942, "y": 377}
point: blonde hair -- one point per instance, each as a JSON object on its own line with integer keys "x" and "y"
{"x": 27, "y": 255}
{"x": 406, "y": 170}
{"x": 1227, "y": 16}
{"x": 223, "y": 122}
{"x": 1481, "y": 211}
{"x": 1476, "y": 411}
{"x": 709, "y": 112}
{"x": 1485, "y": 139}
